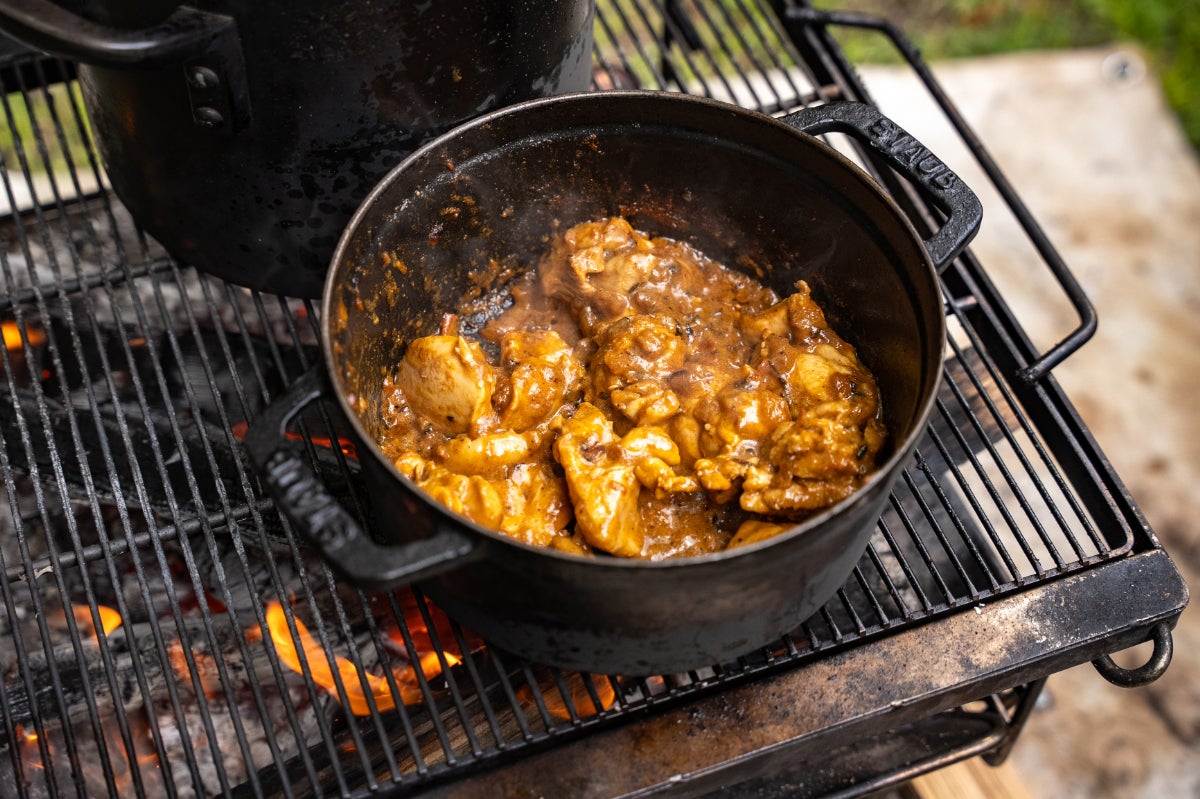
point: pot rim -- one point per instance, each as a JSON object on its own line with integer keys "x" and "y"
{"x": 886, "y": 472}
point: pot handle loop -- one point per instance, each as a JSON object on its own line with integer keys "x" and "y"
{"x": 910, "y": 158}
{"x": 307, "y": 503}
{"x": 205, "y": 45}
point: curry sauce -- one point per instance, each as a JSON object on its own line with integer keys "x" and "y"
{"x": 636, "y": 399}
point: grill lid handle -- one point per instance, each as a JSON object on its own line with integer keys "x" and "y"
{"x": 203, "y": 45}
{"x": 308, "y": 504}
{"x": 911, "y": 159}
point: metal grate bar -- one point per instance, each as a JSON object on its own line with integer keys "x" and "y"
{"x": 1006, "y": 423}
{"x": 906, "y": 568}
{"x": 636, "y": 47}
{"x": 1002, "y": 507}
{"x": 54, "y": 348}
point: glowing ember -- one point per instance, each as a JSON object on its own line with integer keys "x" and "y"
{"x": 581, "y": 698}
{"x": 357, "y": 690}
{"x": 347, "y": 447}
{"x": 206, "y": 668}
{"x": 110, "y": 619}
{"x": 28, "y": 744}
{"x": 12, "y": 336}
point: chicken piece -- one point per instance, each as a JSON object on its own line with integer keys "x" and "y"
{"x": 771, "y": 322}
{"x": 545, "y": 376}
{"x": 685, "y": 431}
{"x": 488, "y": 455}
{"x": 810, "y": 464}
{"x": 654, "y": 454}
{"x": 522, "y": 346}
{"x": 701, "y": 379}
{"x": 797, "y": 317}
{"x": 721, "y": 476}
{"x": 646, "y": 402}
{"x": 528, "y": 502}
{"x": 734, "y": 426}
{"x": 471, "y": 496}
{"x": 448, "y": 381}
{"x": 738, "y": 421}
{"x": 635, "y": 349}
{"x": 603, "y": 486}
{"x": 828, "y": 382}
{"x": 536, "y": 505}
{"x": 752, "y": 531}
{"x": 606, "y": 260}
{"x": 807, "y": 320}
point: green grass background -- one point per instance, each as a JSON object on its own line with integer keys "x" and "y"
{"x": 1168, "y": 31}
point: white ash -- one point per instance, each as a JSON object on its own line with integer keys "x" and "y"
{"x": 182, "y": 297}
{"x": 82, "y": 243}
{"x": 118, "y": 691}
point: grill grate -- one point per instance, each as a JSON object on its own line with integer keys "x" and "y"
{"x": 127, "y": 380}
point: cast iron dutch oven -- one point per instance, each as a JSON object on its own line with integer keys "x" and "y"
{"x": 763, "y": 195}
{"x": 243, "y": 134}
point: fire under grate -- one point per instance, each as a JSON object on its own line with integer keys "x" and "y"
{"x": 164, "y": 632}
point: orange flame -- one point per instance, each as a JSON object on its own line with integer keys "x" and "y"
{"x": 357, "y": 691}
{"x": 581, "y": 698}
{"x": 110, "y": 619}
{"x": 426, "y": 642}
{"x": 12, "y": 336}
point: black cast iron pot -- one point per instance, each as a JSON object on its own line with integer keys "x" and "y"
{"x": 242, "y": 134}
{"x": 756, "y": 193}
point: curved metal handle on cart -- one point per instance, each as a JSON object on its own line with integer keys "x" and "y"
{"x": 1160, "y": 658}
{"x": 305, "y": 500}
{"x": 1039, "y": 365}
{"x": 205, "y": 46}
{"x": 911, "y": 159}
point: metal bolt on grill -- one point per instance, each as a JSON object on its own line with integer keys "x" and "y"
{"x": 162, "y": 632}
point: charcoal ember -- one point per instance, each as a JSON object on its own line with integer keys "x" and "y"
{"x": 140, "y": 664}
{"x": 151, "y": 593}
{"x": 225, "y": 760}
{"x": 32, "y": 593}
{"x": 244, "y": 582}
{"x": 222, "y": 376}
{"x": 224, "y": 382}
{"x": 190, "y": 298}
{"x": 28, "y": 603}
{"x": 82, "y": 246}
{"x": 187, "y": 761}
{"x": 20, "y": 530}
{"x": 104, "y": 471}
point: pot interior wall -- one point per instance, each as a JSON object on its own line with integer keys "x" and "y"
{"x": 741, "y": 188}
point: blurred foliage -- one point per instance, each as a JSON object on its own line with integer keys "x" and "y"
{"x": 56, "y": 141}
{"x": 1167, "y": 30}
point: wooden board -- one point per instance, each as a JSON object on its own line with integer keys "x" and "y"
{"x": 970, "y": 779}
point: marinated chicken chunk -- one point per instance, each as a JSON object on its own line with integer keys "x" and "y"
{"x": 637, "y": 399}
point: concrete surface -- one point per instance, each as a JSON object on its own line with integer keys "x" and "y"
{"x": 1087, "y": 141}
